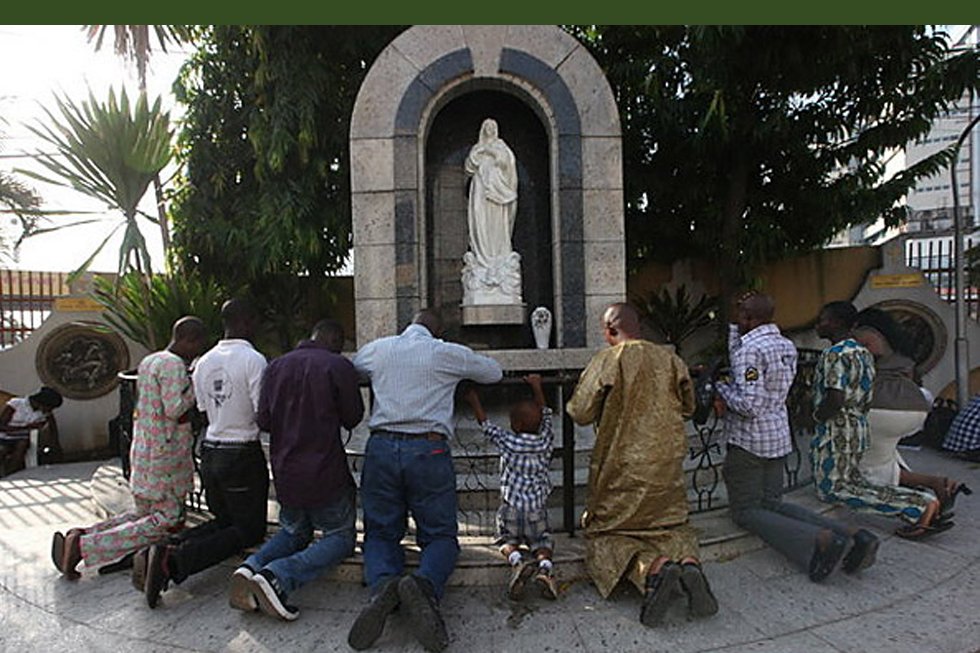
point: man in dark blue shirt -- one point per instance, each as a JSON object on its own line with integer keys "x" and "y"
{"x": 307, "y": 396}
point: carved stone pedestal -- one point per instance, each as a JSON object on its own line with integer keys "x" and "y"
{"x": 480, "y": 314}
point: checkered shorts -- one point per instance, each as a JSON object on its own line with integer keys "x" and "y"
{"x": 528, "y": 527}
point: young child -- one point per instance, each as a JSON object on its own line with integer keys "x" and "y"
{"x": 525, "y": 457}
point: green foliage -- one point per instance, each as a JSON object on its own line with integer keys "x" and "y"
{"x": 265, "y": 143}
{"x": 748, "y": 144}
{"x": 145, "y": 311}
{"x": 677, "y": 316}
{"x": 110, "y": 152}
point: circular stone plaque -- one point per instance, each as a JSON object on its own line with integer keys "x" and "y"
{"x": 81, "y": 359}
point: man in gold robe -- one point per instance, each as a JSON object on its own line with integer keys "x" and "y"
{"x": 636, "y": 526}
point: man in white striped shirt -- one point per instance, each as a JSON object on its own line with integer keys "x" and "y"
{"x": 408, "y": 468}
{"x": 763, "y": 364}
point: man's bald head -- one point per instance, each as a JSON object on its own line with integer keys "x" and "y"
{"x": 621, "y": 322}
{"x": 431, "y": 320}
{"x": 189, "y": 337}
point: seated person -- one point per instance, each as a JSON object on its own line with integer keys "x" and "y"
{"x": 963, "y": 437}
{"x": 898, "y": 408}
{"x": 525, "y": 460}
{"x": 20, "y": 416}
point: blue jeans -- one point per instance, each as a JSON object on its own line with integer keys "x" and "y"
{"x": 287, "y": 555}
{"x": 402, "y": 476}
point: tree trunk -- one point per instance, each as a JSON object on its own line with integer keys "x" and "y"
{"x": 729, "y": 270}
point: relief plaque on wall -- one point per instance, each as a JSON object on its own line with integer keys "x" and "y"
{"x": 80, "y": 360}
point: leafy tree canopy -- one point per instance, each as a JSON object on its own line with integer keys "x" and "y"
{"x": 265, "y": 142}
{"x": 752, "y": 143}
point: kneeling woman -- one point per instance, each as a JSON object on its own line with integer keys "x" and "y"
{"x": 842, "y": 394}
{"x": 898, "y": 408}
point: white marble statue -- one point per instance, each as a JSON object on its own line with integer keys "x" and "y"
{"x": 491, "y": 269}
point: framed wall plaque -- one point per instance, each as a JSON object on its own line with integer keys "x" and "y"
{"x": 81, "y": 359}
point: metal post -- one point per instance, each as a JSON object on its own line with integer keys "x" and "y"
{"x": 962, "y": 345}
{"x": 567, "y": 460}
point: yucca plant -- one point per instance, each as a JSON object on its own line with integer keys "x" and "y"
{"x": 677, "y": 316}
{"x": 145, "y": 311}
{"x": 111, "y": 152}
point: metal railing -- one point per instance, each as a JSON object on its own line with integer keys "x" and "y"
{"x": 26, "y": 300}
{"x": 477, "y": 466}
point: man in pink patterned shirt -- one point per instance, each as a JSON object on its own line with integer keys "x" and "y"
{"x": 162, "y": 467}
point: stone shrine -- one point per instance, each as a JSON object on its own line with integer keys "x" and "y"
{"x": 424, "y": 103}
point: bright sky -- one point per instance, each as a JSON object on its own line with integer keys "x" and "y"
{"x": 39, "y": 61}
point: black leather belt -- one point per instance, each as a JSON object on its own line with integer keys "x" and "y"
{"x": 219, "y": 444}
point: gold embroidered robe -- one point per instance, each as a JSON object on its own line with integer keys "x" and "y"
{"x": 637, "y": 393}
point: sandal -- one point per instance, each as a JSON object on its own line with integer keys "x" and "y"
{"x": 952, "y": 488}
{"x": 920, "y": 531}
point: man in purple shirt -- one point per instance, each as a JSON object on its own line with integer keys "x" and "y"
{"x": 307, "y": 396}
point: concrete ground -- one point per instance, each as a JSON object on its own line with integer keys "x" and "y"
{"x": 920, "y": 596}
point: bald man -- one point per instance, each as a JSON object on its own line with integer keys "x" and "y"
{"x": 408, "y": 468}
{"x": 162, "y": 467}
{"x": 636, "y": 521}
{"x": 227, "y": 382}
{"x": 763, "y": 365}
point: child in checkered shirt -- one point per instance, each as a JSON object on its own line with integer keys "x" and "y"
{"x": 525, "y": 460}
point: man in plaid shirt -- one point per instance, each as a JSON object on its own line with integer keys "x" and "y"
{"x": 525, "y": 460}
{"x": 763, "y": 364}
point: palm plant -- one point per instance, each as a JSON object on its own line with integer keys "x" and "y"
{"x": 677, "y": 316}
{"x": 21, "y": 201}
{"x": 111, "y": 152}
{"x": 133, "y": 43}
{"x": 145, "y": 311}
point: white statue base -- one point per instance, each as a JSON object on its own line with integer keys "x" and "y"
{"x": 492, "y": 292}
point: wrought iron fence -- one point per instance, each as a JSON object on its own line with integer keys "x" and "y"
{"x": 477, "y": 463}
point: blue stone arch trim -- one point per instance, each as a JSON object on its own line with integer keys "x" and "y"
{"x": 569, "y": 125}
{"x": 408, "y": 119}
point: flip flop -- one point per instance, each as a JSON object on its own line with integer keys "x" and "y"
{"x": 918, "y": 531}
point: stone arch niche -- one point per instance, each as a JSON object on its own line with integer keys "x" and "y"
{"x": 415, "y": 117}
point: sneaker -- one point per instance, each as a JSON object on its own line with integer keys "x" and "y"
{"x": 701, "y": 602}
{"x": 660, "y": 589}
{"x": 545, "y": 580}
{"x": 138, "y": 574}
{"x": 417, "y": 596}
{"x": 240, "y": 594}
{"x": 518, "y": 580}
{"x": 370, "y": 623}
{"x": 157, "y": 577}
{"x": 271, "y": 598}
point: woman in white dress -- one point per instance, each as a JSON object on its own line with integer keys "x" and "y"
{"x": 898, "y": 408}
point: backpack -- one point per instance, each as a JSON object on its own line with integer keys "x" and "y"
{"x": 936, "y": 426}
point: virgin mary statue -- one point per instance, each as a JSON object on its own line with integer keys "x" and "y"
{"x": 491, "y": 269}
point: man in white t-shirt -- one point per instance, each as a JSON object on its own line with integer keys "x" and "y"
{"x": 227, "y": 380}
{"x": 18, "y": 418}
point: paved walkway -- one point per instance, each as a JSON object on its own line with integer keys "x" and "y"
{"x": 920, "y": 596}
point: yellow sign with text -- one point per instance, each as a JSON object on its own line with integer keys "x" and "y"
{"x": 913, "y": 280}
{"x": 76, "y": 304}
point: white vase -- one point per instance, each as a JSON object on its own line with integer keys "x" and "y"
{"x": 541, "y": 326}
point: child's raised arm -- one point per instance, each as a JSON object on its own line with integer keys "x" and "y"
{"x": 472, "y": 397}
{"x": 534, "y": 380}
